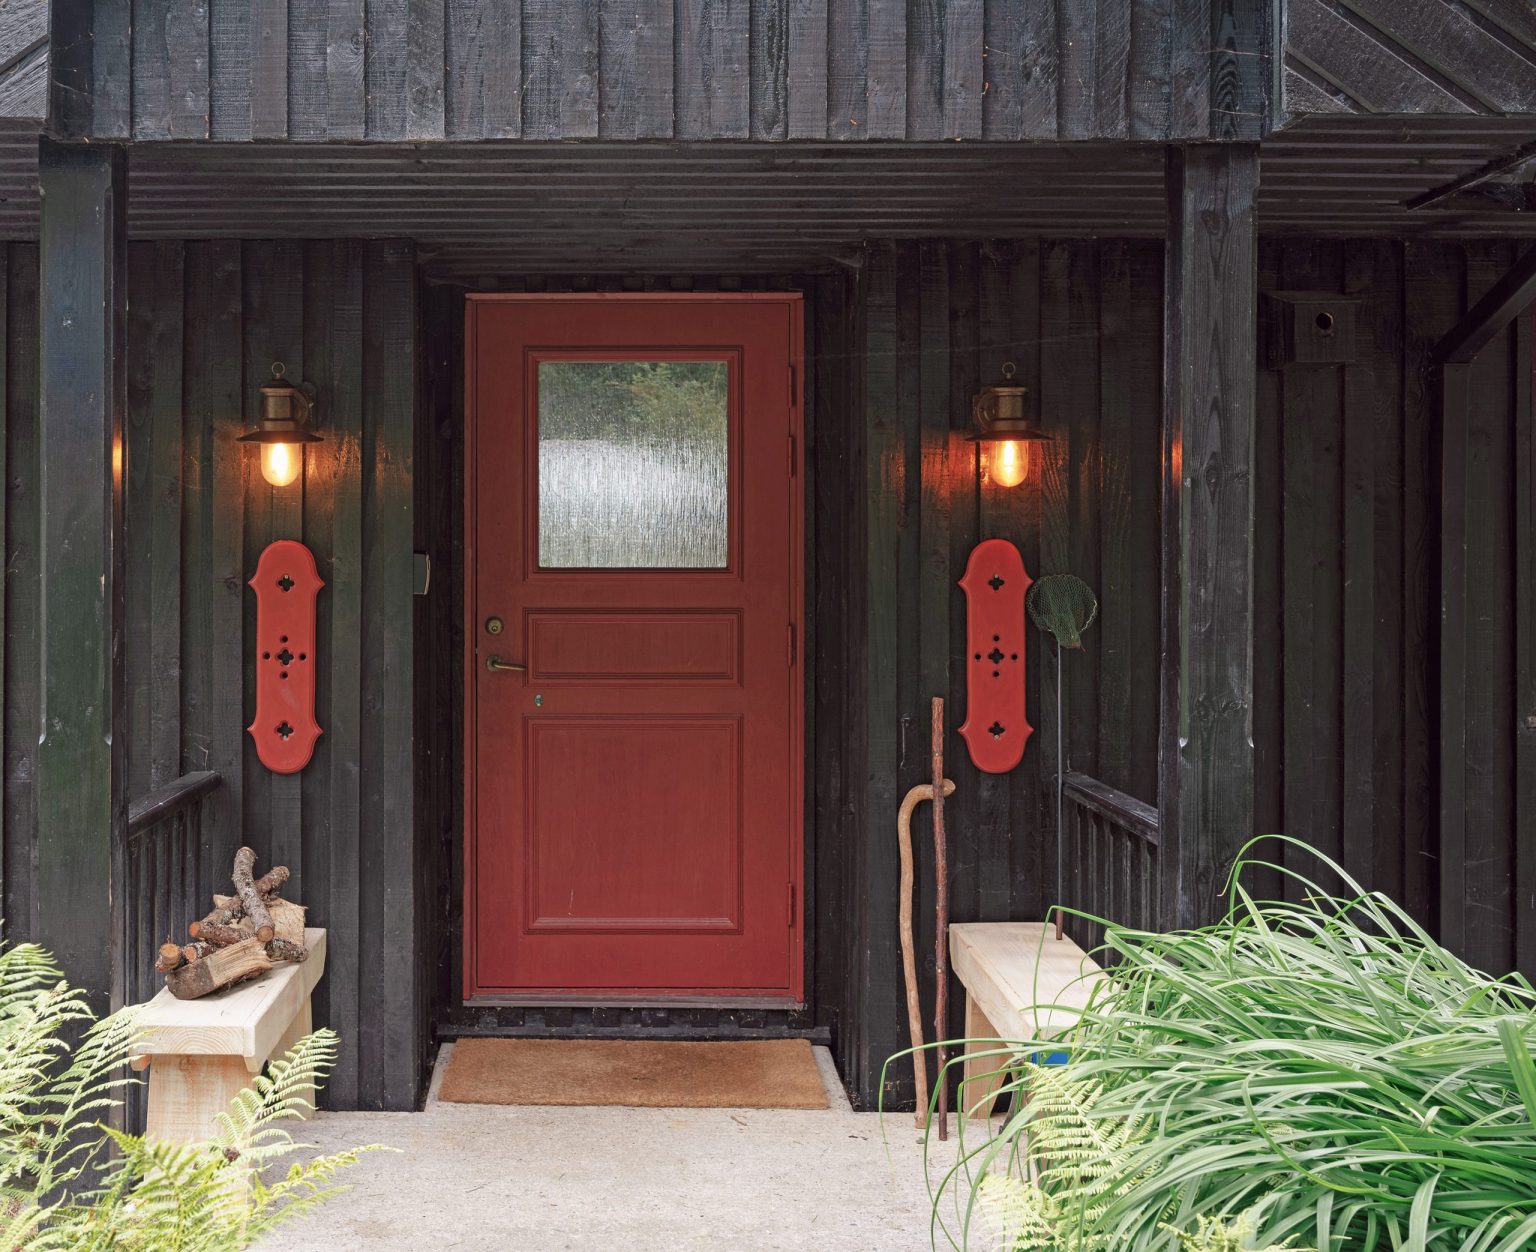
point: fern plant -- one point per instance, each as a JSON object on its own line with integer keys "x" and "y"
{"x": 1071, "y": 1165}
{"x": 70, "y": 1184}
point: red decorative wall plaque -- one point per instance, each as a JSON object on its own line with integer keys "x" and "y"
{"x": 286, "y": 584}
{"x": 996, "y": 728}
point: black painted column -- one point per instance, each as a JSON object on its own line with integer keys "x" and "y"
{"x": 1210, "y": 330}
{"x": 81, "y": 805}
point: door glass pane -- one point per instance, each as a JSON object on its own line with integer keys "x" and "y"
{"x": 633, "y": 464}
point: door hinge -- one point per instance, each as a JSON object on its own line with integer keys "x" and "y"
{"x": 792, "y": 650}
{"x": 791, "y": 906}
{"x": 794, "y": 468}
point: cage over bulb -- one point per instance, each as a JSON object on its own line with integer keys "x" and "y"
{"x": 1009, "y": 462}
{"x": 280, "y": 463}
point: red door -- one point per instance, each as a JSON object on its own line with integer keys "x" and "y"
{"x": 634, "y": 550}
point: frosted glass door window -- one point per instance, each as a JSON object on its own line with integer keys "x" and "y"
{"x": 634, "y": 461}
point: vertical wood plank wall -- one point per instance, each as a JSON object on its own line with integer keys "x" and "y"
{"x": 1346, "y": 493}
{"x": 1347, "y": 555}
{"x": 206, "y": 320}
{"x": 684, "y": 69}
{"x": 1082, "y": 322}
{"x": 1344, "y": 567}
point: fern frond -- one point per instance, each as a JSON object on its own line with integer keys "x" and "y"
{"x": 1212, "y": 1234}
{"x": 61, "y": 1070}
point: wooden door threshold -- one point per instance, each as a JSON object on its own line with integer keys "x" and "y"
{"x": 628, "y": 1022}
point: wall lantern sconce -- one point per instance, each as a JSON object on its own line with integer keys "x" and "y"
{"x": 1002, "y": 421}
{"x": 285, "y": 411}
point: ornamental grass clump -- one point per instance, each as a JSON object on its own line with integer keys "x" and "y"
{"x": 1317, "y": 1074}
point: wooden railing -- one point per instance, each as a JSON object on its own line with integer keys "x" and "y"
{"x": 157, "y": 889}
{"x": 158, "y": 879}
{"x": 1110, "y": 845}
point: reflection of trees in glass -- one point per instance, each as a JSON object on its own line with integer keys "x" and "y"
{"x": 628, "y": 401}
{"x": 632, "y": 464}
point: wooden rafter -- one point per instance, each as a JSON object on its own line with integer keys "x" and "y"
{"x": 1499, "y": 306}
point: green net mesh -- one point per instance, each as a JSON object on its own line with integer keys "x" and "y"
{"x": 1064, "y": 606}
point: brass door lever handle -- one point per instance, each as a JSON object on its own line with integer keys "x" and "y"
{"x": 494, "y": 663}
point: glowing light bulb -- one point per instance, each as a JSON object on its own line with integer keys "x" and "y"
{"x": 1009, "y": 462}
{"x": 280, "y": 463}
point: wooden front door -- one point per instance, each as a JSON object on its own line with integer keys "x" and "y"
{"x": 634, "y": 550}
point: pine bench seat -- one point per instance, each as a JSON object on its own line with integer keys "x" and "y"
{"x": 201, "y": 1053}
{"x": 1021, "y": 982}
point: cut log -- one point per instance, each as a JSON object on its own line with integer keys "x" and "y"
{"x": 196, "y": 950}
{"x": 220, "y": 916}
{"x": 289, "y": 920}
{"x": 225, "y": 936}
{"x": 219, "y": 969}
{"x": 245, "y": 888}
{"x": 272, "y": 881}
{"x": 170, "y": 957}
{"x": 285, "y": 950}
{"x": 288, "y": 943}
{"x": 223, "y": 968}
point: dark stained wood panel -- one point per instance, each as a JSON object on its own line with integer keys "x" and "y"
{"x": 24, "y": 59}
{"x": 771, "y": 70}
{"x": 939, "y": 319}
{"x": 1346, "y": 614}
{"x": 1422, "y": 56}
{"x": 206, "y": 317}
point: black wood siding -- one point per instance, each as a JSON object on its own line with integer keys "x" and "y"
{"x": 659, "y": 69}
{"x": 24, "y": 59}
{"x": 1345, "y": 652}
{"x": 1345, "y": 659}
{"x": 205, "y": 323}
{"x": 1347, "y": 556}
{"x": 1409, "y": 56}
{"x": 1082, "y": 321}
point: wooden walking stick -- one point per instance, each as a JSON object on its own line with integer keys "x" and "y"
{"x": 914, "y": 797}
{"x": 941, "y": 917}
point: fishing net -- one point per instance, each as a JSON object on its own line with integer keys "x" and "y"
{"x": 1063, "y": 606}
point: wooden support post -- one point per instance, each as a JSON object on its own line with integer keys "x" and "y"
{"x": 81, "y": 804}
{"x": 1206, "y": 749}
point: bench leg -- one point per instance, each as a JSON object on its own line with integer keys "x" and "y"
{"x": 983, "y": 1072}
{"x": 187, "y": 1092}
{"x": 302, "y": 1024}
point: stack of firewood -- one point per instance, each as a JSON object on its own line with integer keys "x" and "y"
{"x": 243, "y": 937}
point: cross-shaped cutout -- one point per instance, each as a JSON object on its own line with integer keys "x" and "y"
{"x": 994, "y": 656}
{"x": 285, "y": 583}
{"x": 995, "y": 582}
{"x": 996, "y": 730}
{"x": 284, "y": 730}
{"x": 285, "y": 656}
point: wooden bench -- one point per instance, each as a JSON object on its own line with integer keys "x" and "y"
{"x": 1021, "y": 982}
{"x": 202, "y": 1053}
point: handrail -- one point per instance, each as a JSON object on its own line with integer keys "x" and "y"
{"x": 165, "y": 801}
{"x": 1132, "y": 815}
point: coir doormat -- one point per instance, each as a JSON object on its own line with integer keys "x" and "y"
{"x": 755, "y": 1074}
